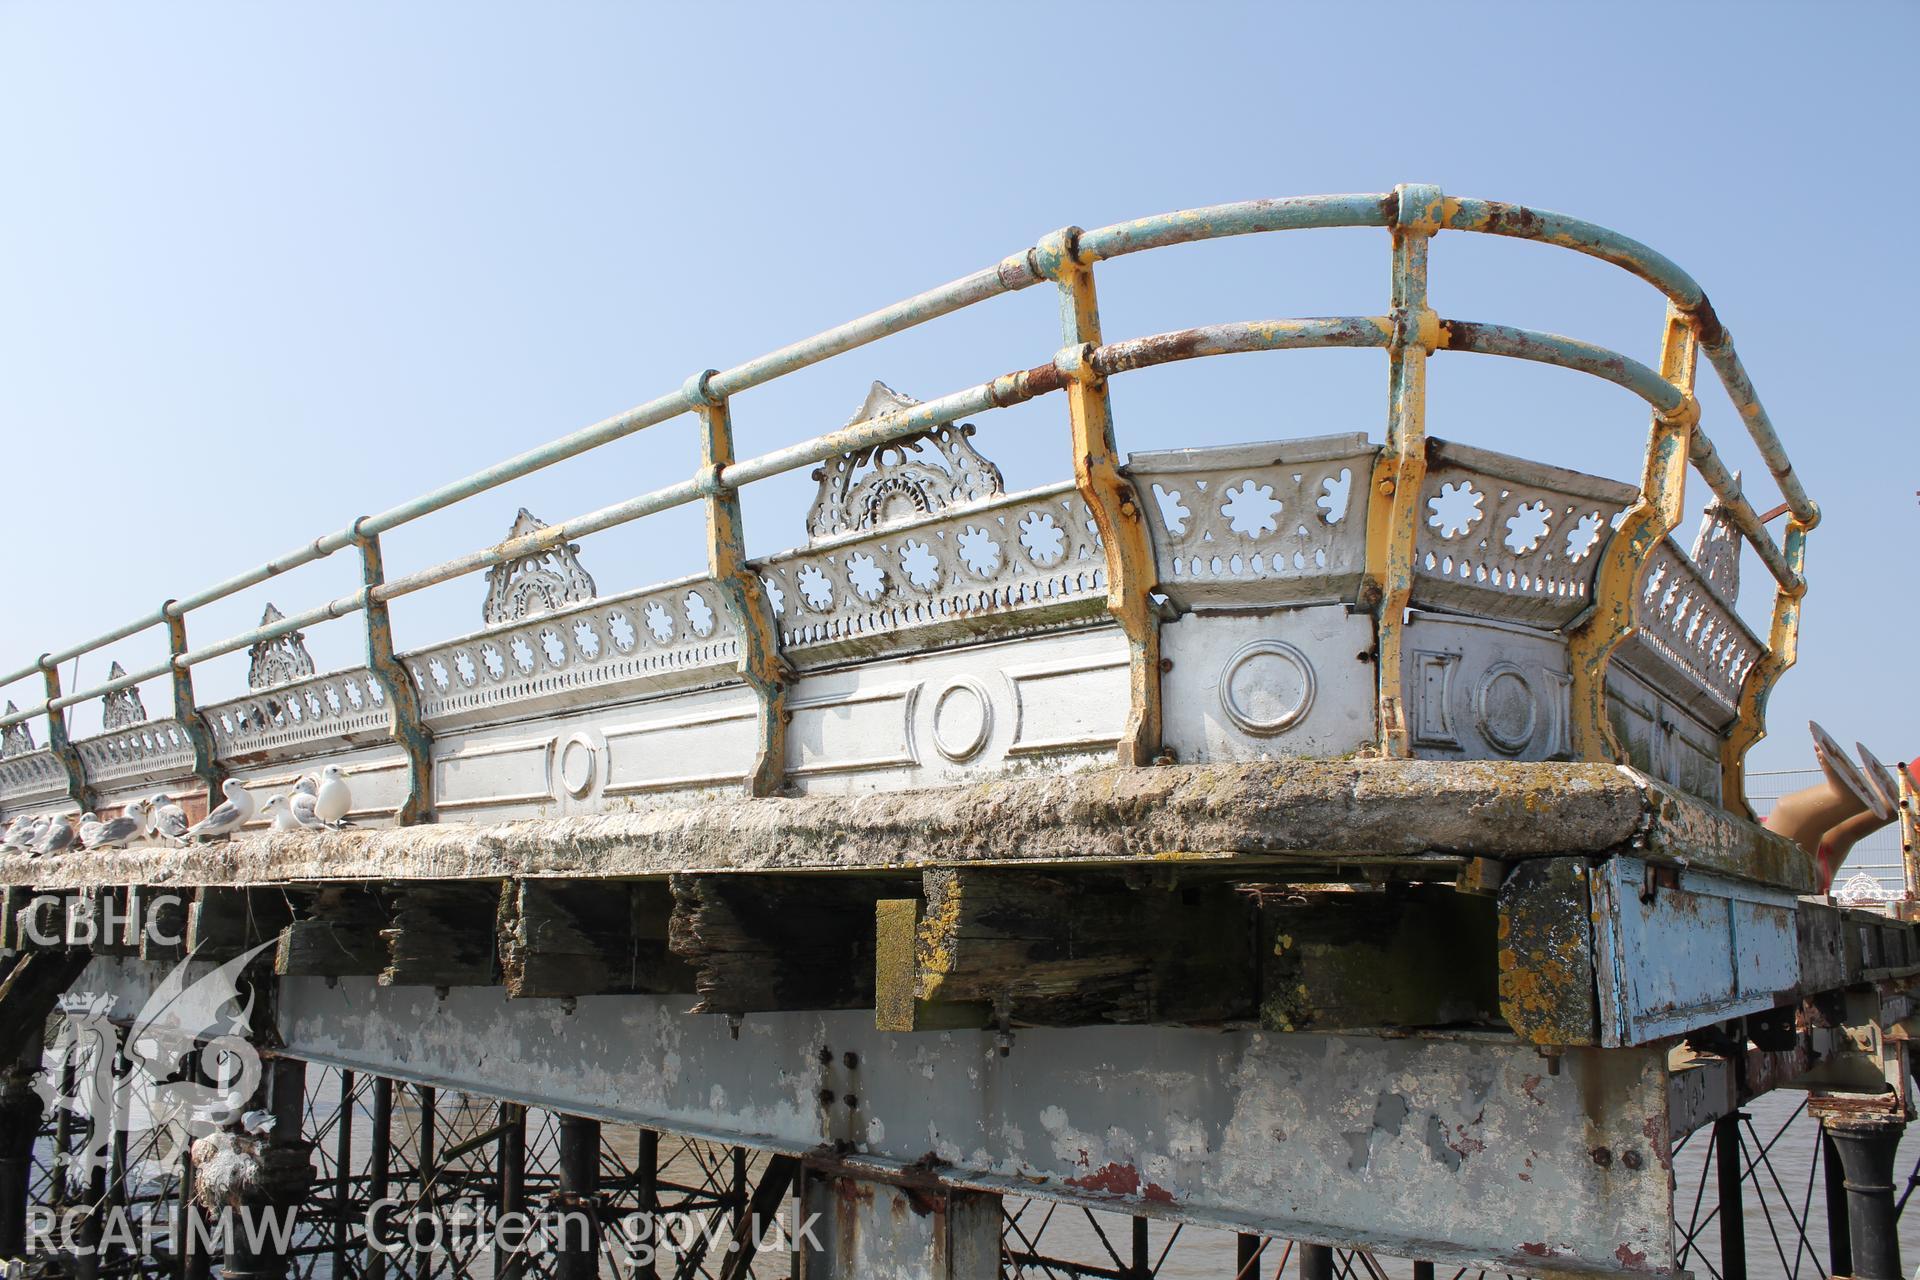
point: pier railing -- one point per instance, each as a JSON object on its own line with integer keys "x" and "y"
{"x": 1409, "y": 332}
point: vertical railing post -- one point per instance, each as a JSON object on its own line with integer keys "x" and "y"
{"x": 186, "y": 710}
{"x": 1393, "y": 519}
{"x": 59, "y": 744}
{"x": 1623, "y": 562}
{"x": 741, "y": 589}
{"x": 1783, "y": 650}
{"x": 1110, "y": 496}
{"x": 403, "y": 698}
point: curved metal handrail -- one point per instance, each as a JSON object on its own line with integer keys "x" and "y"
{"x": 1670, "y": 398}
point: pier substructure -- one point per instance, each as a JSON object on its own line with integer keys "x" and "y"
{"x": 1866, "y": 1145}
{"x": 897, "y": 1227}
{"x": 20, "y": 1115}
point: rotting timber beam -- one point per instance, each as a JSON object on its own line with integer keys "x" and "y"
{"x": 1546, "y": 957}
{"x": 577, "y": 938}
{"x": 334, "y": 935}
{"x": 1406, "y": 956}
{"x": 222, "y": 923}
{"x": 442, "y": 935}
{"x": 1072, "y": 949}
{"x": 1090, "y": 947}
{"x": 34, "y": 984}
{"x": 767, "y": 943}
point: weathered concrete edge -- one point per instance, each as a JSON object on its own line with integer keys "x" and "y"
{"x": 1336, "y": 810}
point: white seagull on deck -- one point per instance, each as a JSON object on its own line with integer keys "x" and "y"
{"x": 229, "y": 817}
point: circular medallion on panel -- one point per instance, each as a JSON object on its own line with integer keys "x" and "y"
{"x": 579, "y": 765}
{"x": 962, "y": 719}
{"x": 1505, "y": 709}
{"x": 1267, "y": 687}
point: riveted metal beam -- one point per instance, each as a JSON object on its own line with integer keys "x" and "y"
{"x": 1783, "y": 649}
{"x": 1108, "y": 493}
{"x": 59, "y": 744}
{"x": 403, "y": 699}
{"x": 1628, "y": 553}
{"x": 741, "y": 589}
{"x": 1394, "y": 515}
{"x": 186, "y": 712}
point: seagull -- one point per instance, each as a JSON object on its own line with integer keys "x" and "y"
{"x": 300, "y": 805}
{"x": 165, "y": 818}
{"x": 229, "y": 817}
{"x": 281, "y": 812}
{"x": 259, "y": 1122}
{"x": 331, "y": 802}
{"x": 26, "y": 831}
{"x": 309, "y": 785}
{"x": 58, "y": 837}
{"x": 118, "y": 832}
{"x": 89, "y": 827}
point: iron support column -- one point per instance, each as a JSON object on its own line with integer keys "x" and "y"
{"x": 343, "y": 1175}
{"x": 1839, "y": 1243}
{"x": 1730, "y": 1181}
{"x": 578, "y": 1258}
{"x": 423, "y": 1168}
{"x": 379, "y": 1164}
{"x": 509, "y": 1255}
{"x": 647, "y": 1171}
{"x": 869, "y": 1226}
{"x": 1316, "y": 1262}
{"x": 1867, "y": 1146}
{"x": 286, "y": 1174}
{"x": 19, "y": 1128}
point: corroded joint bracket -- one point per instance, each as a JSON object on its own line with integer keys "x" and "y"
{"x": 60, "y": 745}
{"x": 1400, "y": 475}
{"x": 186, "y": 711}
{"x": 742, "y": 593}
{"x": 1056, "y": 253}
{"x": 1623, "y": 565}
{"x": 1108, "y": 493}
{"x": 403, "y": 698}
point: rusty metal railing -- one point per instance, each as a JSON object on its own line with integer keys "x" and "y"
{"x": 1410, "y": 332}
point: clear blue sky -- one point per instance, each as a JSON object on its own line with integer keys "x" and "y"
{"x": 266, "y": 268}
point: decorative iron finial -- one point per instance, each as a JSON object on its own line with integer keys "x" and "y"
{"x": 901, "y": 480}
{"x": 281, "y": 660}
{"x": 15, "y": 739}
{"x": 1716, "y": 549}
{"x": 122, "y": 707}
{"x": 538, "y": 583}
